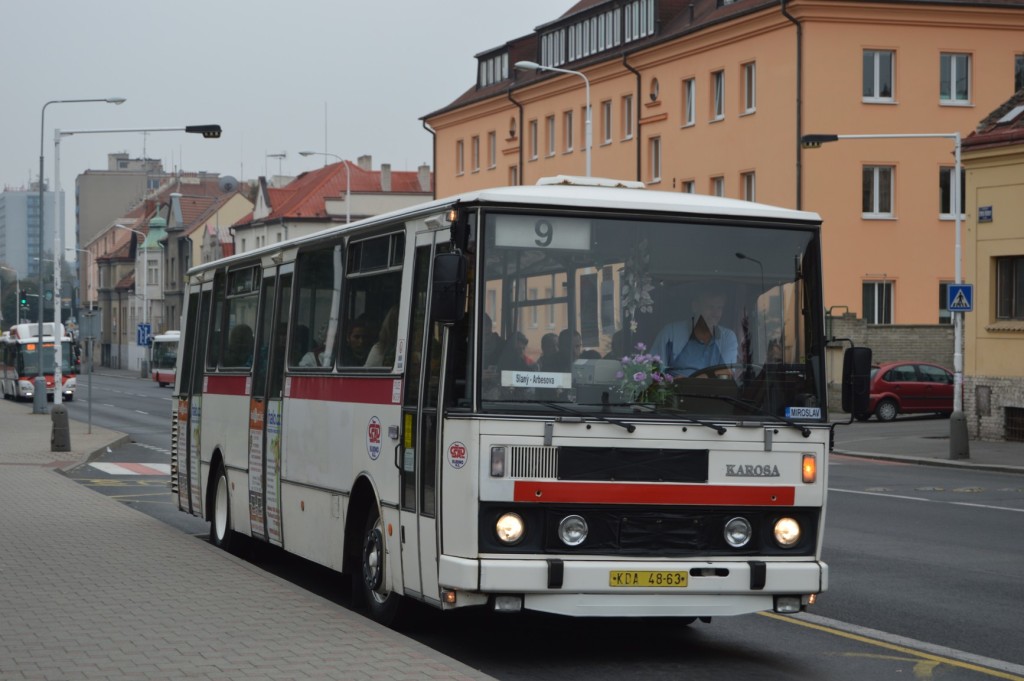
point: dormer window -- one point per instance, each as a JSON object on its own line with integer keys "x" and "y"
{"x": 598, "y": 32}
{"x": 493, "y": 68}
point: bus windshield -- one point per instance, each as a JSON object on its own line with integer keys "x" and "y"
{"x": 165, "y": 354}
{"x": 646, "y": 317}
{"x": 28, "y": 358}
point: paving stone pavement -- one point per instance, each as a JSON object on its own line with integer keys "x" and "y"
{"x": 91, "y": 589}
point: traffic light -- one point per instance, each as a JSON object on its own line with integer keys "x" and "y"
{"x": 23, "y": 299}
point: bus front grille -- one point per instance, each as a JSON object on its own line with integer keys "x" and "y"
{"x": 533, "y": 462}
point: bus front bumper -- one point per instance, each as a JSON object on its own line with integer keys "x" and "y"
{"x": 585, "y": 587}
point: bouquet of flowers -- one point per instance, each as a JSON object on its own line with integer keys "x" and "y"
{"x": 642, "y": 378}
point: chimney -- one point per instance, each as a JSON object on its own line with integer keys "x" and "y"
{"x": 365, "y": 162}
{"x": 385, "y": 177}
{"x": 423, "y": 174}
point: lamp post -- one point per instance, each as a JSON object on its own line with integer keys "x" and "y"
{"x": 348, "y": 180}
{"x": 534, "y": 66}
{"x": 145, "y": 284}
{"x": 959, "y": 446}
{"x": 17, "y": 292}
{"x": 39, "y": 386}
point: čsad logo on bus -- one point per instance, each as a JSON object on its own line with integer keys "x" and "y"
{"x": 457, "y": 455}
{"x": 373, "y": 432}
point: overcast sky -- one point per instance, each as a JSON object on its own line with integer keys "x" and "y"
{"x": 345, "y": 76}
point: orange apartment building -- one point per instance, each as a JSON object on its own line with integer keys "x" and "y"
{"x": 713, "y": 96}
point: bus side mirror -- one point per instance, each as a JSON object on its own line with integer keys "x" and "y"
{"x": 448, "y": 296}
{"x": 856, "y": 380}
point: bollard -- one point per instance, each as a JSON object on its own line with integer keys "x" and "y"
{"x": 60, "y": 438}
{"x": 959, "y": 444}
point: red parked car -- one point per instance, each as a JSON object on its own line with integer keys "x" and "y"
{"x": 909, "y": 388}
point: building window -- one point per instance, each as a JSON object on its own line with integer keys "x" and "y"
{"x": 877, "y": 191}
{"x": 749, "y": 87}
{"x": 655, "y": 150}
{"x": 878, "y": 75}
{"x": 687, "y": 187}
{"x": 945, "y": 317}
{"x": 749, "y": 182}
{"x": 946, "y": 208}
{"x": 955, "y": 79}
{"x": 460, "y": 157}
{"x": 475, "y": 154}
{"x": 606, "y": 120}
{"x": 549, "y": 129}
{"x": 718, "y": 95}
{"x": 587, "y": 116}
{"x": 689, "y": 101}
{"x": 567, "y": 130}
{"x": 513, "y": 176}
{"x": 492, "y": 149}
{"x": 1010, "y": 287}
{"x": 627, "y": 117}
{"x": 718, "y": 186}
{"x": 877, "y": 302}
{"x": 1018, "y": 72}
{"x": 533, "y": 140}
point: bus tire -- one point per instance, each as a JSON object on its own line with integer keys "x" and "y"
{"x": 221, "y": 534}
{"x": 368, "y": 580}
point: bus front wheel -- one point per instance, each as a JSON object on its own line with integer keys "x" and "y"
{"x": 368, "y": 581}
{"x": 221, "y": 533}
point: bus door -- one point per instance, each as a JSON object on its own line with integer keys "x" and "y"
{"x": 418, "y": 455}
{"x": 189, "y": 396}
{"x": 266, "y": 405}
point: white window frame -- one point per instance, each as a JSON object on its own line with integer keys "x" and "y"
{"x": 627, "y": 117}
{"x": 750, "y": 87}
{"x": 877, "y": 209}
{"x": 567, "y": 131}
{"x": 492, "y": 150}
{"x": 689, "y": 102}
{"x": 876, "y": 72}
{"x": 606, "y": 120}
{"x": 748, "y": 181}
{"x": 718, "y": 185}
{"x": 688, "y": 187}
{"x": 717, "y": 95}
{"x": 460, "y": 157}
{"x": 954, "y": 74}
{"x": 654, "y": 149}
{"x": 474, "y": 154}
{"x": 880, "y": 290}
{"x": 534, "y": 142}
{"x": 549, "y": 129}
{"x": 946, "y": 203}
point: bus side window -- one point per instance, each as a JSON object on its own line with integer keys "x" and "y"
{"x": 311, "y": 313}
{"x": 216, "y": 333}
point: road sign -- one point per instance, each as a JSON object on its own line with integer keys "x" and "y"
{"x": 144, "y": 335}
{"x": 960, "y": 297}
{"x": 90, "y": 327}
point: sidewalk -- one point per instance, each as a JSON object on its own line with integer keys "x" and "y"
{"x": 91, "y": 589}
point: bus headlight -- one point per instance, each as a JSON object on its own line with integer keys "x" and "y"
{"x": 787, "y": 532}
{"x": 510, "y": 528}
{"x": 572, "y": 530}
{"x": 737, "y": 532}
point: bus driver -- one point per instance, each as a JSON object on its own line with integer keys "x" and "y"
{"x": 690, "y": 345}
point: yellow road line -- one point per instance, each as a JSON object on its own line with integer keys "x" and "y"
{"x": 897, "y": 648}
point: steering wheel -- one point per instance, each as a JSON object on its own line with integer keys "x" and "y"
{"x": 725, "y": 371}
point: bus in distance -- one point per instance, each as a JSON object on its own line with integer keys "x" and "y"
{"x": 20, "y": 357}
{"x": 164, "y": 360}
{"x": 582, "y": 397}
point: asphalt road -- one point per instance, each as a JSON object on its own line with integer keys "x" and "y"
{"x": 924, "y": 577}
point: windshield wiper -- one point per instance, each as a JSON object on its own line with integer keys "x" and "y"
{"x": 686, "y": 417}
{"x": 576, "y": 412}
{"x": 754, "y": 409}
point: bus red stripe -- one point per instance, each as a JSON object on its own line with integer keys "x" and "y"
{"x": 224, "y": 385}
{"x": 646, "y": 494}
{"x": 363, "y": 390}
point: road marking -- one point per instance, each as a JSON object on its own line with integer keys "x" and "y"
{"x": 139, "y": 411}
{"x": 133, "y": 468}
{"x": 919, "y": 649}
{"x": 930, "y": 501}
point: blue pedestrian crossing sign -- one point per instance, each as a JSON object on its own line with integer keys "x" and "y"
{"x": 960, "y": 297}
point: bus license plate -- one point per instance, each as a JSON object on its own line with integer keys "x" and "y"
{"x": 656, "y": 578}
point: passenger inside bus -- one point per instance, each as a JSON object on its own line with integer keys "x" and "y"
{"x": 382, "y": 354}
{"x": 356, "y": 347}
{"x": 239, "y": 351}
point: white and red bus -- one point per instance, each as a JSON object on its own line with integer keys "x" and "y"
{"x": 20, "y": 354}
{"x": 163, "y": 362}
{"x": 374, "y": 399}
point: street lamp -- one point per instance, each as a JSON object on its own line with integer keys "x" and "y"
{"x": 17, "y": 292}
{"x": 348, "y": 180}
{"x": 534, "y": 66}
{"x": 145, "y": 284}
{"x": 959, "y": 446}
{"x": 39, "y": 387}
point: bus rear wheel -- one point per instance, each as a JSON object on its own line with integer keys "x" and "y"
{"x": 368, "y": 581}
{"x": 221, "y": 534}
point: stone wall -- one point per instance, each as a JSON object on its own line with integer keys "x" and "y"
{"x": 985, "y": 401}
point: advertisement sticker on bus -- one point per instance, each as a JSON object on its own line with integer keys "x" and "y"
{"x": 373, "y": 438}
{"x": 456, "y": 455}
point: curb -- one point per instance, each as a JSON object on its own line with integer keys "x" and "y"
{"x": 966, "y": 464}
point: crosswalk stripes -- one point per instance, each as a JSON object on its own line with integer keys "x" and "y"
{"x": 133, "y": 468}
